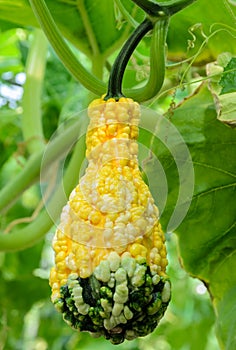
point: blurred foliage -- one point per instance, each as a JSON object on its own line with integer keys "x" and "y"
{"x": 206, "y": 238}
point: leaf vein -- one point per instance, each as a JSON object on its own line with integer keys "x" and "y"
{"x": 215, "y": 168}
{"x": 88, "y": 27}
{"x": 214, "y": 189}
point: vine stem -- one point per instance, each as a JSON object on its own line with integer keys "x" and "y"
{"x": 193, "y": 58}
{"x": 125, "y": 13}
{"x": 118, "y": 68}
{"x": 31, "y": 171}
{"x": 70, "y": 61}
{"x": 31, "y": 102}
{"x": 157, "y": 62}
{"x": 33, "y": 232}
{"x": 63, "y": 50}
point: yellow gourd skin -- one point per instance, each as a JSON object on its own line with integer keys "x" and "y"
{"x": 110, "y": 257}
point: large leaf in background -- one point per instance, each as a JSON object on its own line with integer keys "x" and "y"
{"x": 90, "y": 24}
{"x": 200, "y": 16}
{"x": 18, "y": 12}
{"x": 10, "y": 57}
{"x": 93, "y": 27}
{"x": 228, "y": 79}
{"x": 223, "y": 87}
{"x": 207, "y": 235}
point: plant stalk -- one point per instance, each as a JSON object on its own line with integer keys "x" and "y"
{"x": 31, "y": 102}
{"x": 118, "y": 68}
{"x": 70, "y": 61}
{"x": 31, "y": 172}
{"x": 33, "y": 232}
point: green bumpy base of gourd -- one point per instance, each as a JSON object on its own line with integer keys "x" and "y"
{"x": 128, "y": 305}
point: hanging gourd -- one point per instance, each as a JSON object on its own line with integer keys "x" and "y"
{"x": 110, "y": 276}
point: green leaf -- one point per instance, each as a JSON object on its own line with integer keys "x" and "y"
{"x": 94, "y": 27}
{"x": 226, "y": 108}
{"x": 226, "y": 323}
{"x": 89, "y": 25}
{"x": 19, "y": 290}
{"x": 18, "y": 12}
{"x": 207, "y": 236}
{"x": 10, "y": 56}
{"x": 228, "y": 79}
{"x": 225, "y": 103}
{"x": 212, "y": 146}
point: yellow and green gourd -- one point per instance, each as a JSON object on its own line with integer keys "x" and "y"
{"x": 110, "y": 276}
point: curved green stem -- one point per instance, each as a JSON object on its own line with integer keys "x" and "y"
{"x": 118, "y": 68}
{"x": 95, "y": 85}
{"x": 63, "y": 50}
{"x": 31, "y": 171}
{"x": 32, "y": 233}
{"x": 157, "y": 63}
{"x": 157, "y": 67}
{"x": 31, "y": 102}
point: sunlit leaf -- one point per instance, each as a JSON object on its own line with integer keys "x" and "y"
{"x": 207, "y": 236}
{"x": 228, "y": 79}
{"x": 223, "y": 87}
{"x": 10, "y": 56}
{"x": 228, "y": 108}
{"x": 18, "y": 12}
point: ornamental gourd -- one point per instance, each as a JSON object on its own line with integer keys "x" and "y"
{"x": 110, "y": 257}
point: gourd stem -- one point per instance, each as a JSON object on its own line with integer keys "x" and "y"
{"x": 118, "y": 68}
{"x": 92, "y": 83}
